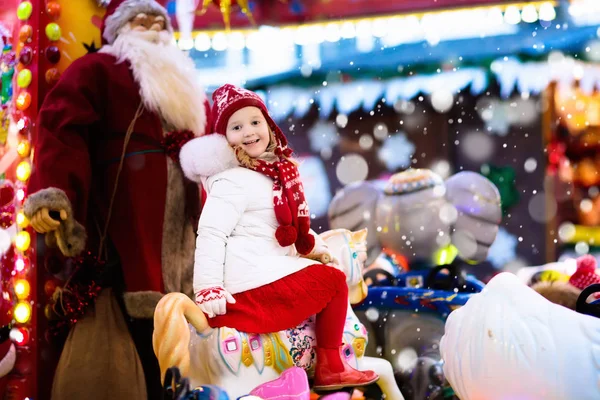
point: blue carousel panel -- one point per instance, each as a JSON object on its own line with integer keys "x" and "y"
{"x": 409, "y": 295}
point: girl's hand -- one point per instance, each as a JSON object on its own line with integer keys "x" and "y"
{"x": 322, "y": 254}
{"x": 213, "y": 301}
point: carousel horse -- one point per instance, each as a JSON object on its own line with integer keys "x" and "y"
{"x": 240, "y": 361}
{"x": 509, "y": 342}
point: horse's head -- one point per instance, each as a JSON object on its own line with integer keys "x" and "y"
{"x": 350, "y": 248}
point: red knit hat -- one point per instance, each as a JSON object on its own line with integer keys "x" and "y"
{"x": 229, "y": 98}
{"x": 585, "y": 275}
{"x": 120, "y": 12}
{"x": 291, "y": 208}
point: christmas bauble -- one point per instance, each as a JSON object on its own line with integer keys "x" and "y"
{"x": 23, "y": 101}
{"x": 52, "y": 76}
{"x": 24, "y": 78}
{"x": 24, "y": 10}
{"x": 25, "y": 33}
{"x": 53, "y": 31}
{"x": 52, "y": 54}
{"x": 26, "y": 56}
{"x": 53, "y": 10}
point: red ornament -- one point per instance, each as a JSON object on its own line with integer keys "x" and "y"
{"x": 24, "y": 124}
{"x": 556, "y": 152}
{"x": 7, "y": 219}
{"x": 26, "y": 55}
{"x": 53, "y": 10}
{"x": 81, "y": 292}
{"x": 22, "y": 337}
{"x": 52, "y": 54}
{"x": 52, "y": 76}
{"x": 7, "y": 263}
{"x": 174, "y": 141}
{"x": 50, "y": 287}
{"x": 7, "y": 195}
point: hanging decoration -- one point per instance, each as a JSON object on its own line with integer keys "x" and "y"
{"x": 226, "y": 7}
{"x": 284, "y": 12}
{"x": 505, "y": 180}
{"x": 70, "y": 302}
{"x": 350, "y": 96}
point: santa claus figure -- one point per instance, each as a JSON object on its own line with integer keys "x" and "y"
{"x": 107, "y": 182}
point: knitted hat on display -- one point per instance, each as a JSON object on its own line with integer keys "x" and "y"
{"x": 228, "y": 99}
{"x": 120, "y": 12}
{"x": 585, "y": 275}
{"x": 291, "y": 208}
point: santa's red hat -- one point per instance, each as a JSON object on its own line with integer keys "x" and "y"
{"x": 585, "y": 275}
{"x": 120, "y": 12}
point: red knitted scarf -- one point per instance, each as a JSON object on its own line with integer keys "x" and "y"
{"x": 291, "y": 208}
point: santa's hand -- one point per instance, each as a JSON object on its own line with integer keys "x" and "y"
{"x": 46, "y": 220}
{"x": 213, "y": 301}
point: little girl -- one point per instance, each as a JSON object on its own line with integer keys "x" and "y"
{"x": 255, "y": 223}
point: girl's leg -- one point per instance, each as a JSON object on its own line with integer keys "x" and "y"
{"x": 331, "y": 370}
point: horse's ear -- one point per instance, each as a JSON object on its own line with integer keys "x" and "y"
{"x": 360, "y": 236}
{"x": 332, "y": 232}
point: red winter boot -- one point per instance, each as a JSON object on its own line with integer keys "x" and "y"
{"x": 333, "y": 373}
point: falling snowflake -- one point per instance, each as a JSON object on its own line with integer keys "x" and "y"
{"x": 495, "y": 116}
{"x": 499, "y": 115}
{"x": 316, "y": 185}
{"x": 323, "y": 136}
{"x": 397, "y": 151}
{"x": 503, "y": 250}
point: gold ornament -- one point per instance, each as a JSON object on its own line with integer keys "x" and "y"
{"x": 225, "y": 7}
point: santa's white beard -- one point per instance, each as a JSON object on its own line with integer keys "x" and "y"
{"x": 166, "y": 75}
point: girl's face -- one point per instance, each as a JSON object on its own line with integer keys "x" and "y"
{"x": 248, "y": 129}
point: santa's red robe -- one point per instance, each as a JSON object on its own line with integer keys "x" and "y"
{"x": 80, "y": 134}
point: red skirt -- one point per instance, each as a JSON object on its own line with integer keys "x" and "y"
{"x": 283, "y": 304}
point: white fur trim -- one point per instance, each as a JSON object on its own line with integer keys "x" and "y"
{"x": 167, "y": 77}
{"x": 206, "y": 156}
{"x": 129, "y": 9}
